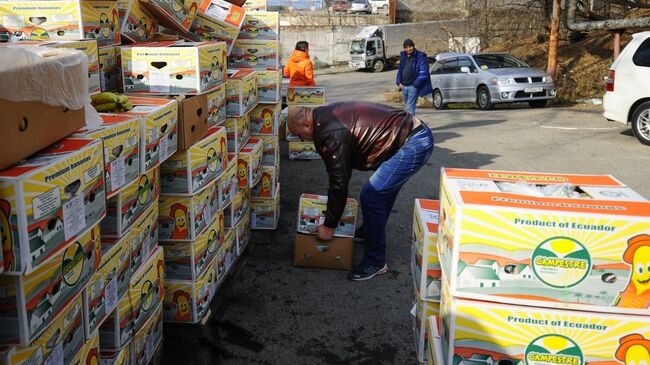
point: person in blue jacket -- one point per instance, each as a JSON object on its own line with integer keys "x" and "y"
{"x": 413, "y": 75}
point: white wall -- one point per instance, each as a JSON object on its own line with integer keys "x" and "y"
{"x": 327, "y": 46}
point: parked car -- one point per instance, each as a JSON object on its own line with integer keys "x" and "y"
{"x": 360, "y": 6}
{"x": 488, "y": 79}
{"x": 627, "y": 99}
{"x": 341, "y": 5}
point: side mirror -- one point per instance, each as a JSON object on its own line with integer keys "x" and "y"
{"x": 465, "y": 70}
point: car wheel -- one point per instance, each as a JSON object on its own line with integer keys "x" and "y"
{"x": 438, "y": 100}
{"x": 483, "y": 99}
{"x": 378, "y": 66}
{"x": 537, "y": 103}
{"x": 641, "y": 123}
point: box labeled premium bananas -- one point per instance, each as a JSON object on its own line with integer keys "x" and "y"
{"x": 238, "y": 132}
{"x": 115, "y": 357}
{"x": 186, "y": 260}
{"x": 303, "y": 150}
{"x": 89, "y": 47}
{"x": 261, "y": 25}
{"x": 265, "y": 119}
{"x": 108, "y": 68}
{"x": 241, "y": 92}
{"x": 89, "y": 353}
{"x": 120, "y": 135}
{"x": 211, "y": 29}
{"x": 188, "y": 301}
{"x": 146, "y": 289}
{"x": 144, "y": 236}
{"x": 265, "y": 212}
{"x": 148, "y": 339}
{"x": 268, "y": 86}
{"x": 61, "y": 340}
{"x": 249, "y": 163}
{"x": 50, "y": 200}
{"x": 310, "y": 215}
{"x": 217, "y": 105}
{"x": 177, "y": 15}
{"x": 173, "y": 68}
{"x": 545, "y": 239}
{"x": 187, "y": 172}
{"x": 253, "y": 53}
{"x": 184, "y": 218}
{"x": 239, "y": 206}
{"x": 117, "y": 330}
{"x": 136, "y": 24}
{"x": 306, "y": 95}
{"x": 31, "y": 301}
{"x": 129, "y": 203}
{"x": 269, "y": 180}
{"x": 227, "y": 183}
{"x": 243, "y": 232}
{"x": 425, "y": 266}
{"x": 420, "y": 314}
{"x": 109, "y": 283}
{"x": 271, "y": 152}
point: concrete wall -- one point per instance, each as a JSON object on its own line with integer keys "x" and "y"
{"x": 327, "y": 46}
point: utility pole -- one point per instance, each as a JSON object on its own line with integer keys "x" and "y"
{"x": 551, "y": 67}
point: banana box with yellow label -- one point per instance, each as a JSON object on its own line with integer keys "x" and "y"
{"x": 211, "y": 29}
{"x": 136, "y": 24}
{"x": 254, "y": 53}
{"x": 425, "y": 266}
{"x": 227, "y": 254}
{"x": 434, "y": 355}
{"x": 117, "y": 330}
{"x": 217, "y": 105}
{"x": 109, "y": 283}
{"x": 144, "y": 236}
{"x": 109, "y": 70}
{"x": 306, "y": 95}
{"x": 243, "y": 232}
{"x": 89, "y": 353}
{"x": 239, "y": 206}
{"x": 115, "y": 357}
{"x": 265, "y": 119}
{"x": 227, "y": 183}
{"x": 241, "y": 92}
{"x": 188, "y": 172}
{"x": 420, "y": 313}
{"x": 186, "y": 260}
{"x": 503, "y": 333}
{"x": 101, "y": 22}
{"x": 271, "y": 152}
{"x": 177, "y": 14}
{"x": 120, "y": 135}
{"x": 261, "y": 25}
{"x": 310, "y": 215}
{"x": 265, "y": 188}
{"x": 146, "y": 290}
{"x": 255, "y": 5}
{"x": 265, "y": 212}
{"x": 31, "y": 301}
{"x": 187, "y": 301}
{"x": 168, "y": 68}
{"x": 547, "y": 239}
{"x": 60, "y": 341}
{"x": 184, "y": 218}
{"x": 148, "y": 339}
{"x": 268, "y": 86}
{"x": 129, "y": 203}
{"x": 303, "y": 150}
{"x": 249, "y": 163}
{"x": 49, "y": 200}
{"x": 238, "y": 132}
{"x": 89, "y": 47}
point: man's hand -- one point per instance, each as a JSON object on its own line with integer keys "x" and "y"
{"x": 325, "y": 233}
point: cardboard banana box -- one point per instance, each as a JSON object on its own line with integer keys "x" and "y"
{"x": 300, "y": 150}
{"x": 136, "y": 24}
{"x": 177, "y": 14}
{"x": 269, "y": 180}
{"x": 420, "y": 314}
{"x": 256, "y": 54}
{"x": 268, "y": 86}
{"x": 148, "y": 339}
{"x": 425, "y": 266}
{"x": 115, "y": 357}
{"x": 144, "y": 236}
{"x": 265, "y": 119}
{"x": 265, "y": 212}
{"x": 217, "y": 105}
{"x": 227, "y": 183}
{"x": 310, "y": 215}
{"x": 271, "y": 153}
{"x": 89, "y": 47}
{"x": 184, "y": 218}
{"x": 187, "y": 301}
{"x": 117, "y": 330}
{"x": 255, "y": 5}
{"x": 434, "y": 355}
{"x": 235, "y": 212}
{"x": 238, "y": 132}
{"x": 146, "y": 290}
{"x": 227, "y": 254}
{"x": 243, "y": 232}
{"x": 89, "y": 353}
{"x": 306, "y": 95}
{"x": 249, "y": 163}
{"x": 261, "y": 25}
{"x": 209, "y": 28}
{"x": 241, "y": 92}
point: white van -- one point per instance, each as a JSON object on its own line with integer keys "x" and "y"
{"x": 627, "y": 99}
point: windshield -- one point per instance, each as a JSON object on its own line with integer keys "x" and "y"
{"x": 357, "y": 47}
{"x": 490, "y": 61}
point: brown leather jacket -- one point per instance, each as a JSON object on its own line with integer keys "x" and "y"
{"x": 355, "y": 135}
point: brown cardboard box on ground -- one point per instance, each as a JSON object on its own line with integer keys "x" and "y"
{"x": 309, "y": 251}
{"x": 192, "y": 120}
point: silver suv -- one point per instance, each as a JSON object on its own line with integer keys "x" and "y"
{"x": 488, "y": 79}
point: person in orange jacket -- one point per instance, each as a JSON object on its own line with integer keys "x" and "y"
{"x": 299, "y": 68}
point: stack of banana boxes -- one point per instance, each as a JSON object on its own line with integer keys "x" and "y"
{"x": 542, "y": 268}
{"x": 304, "y": 96}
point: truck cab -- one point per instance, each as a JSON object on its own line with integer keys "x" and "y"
{"x": 367, "y": 52}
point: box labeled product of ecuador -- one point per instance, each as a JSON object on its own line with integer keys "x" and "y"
{"x": 310, "y": 215}
{"x": 144, "y": 236}
{"x": 425, "y": 266}
{"x": 188, "y": 301}
{"x": 129, "y": 203}
{"x": 109, "y": 283}
{"x": 303, "y": 150}
{"x": 268, "y": 182}
{"x": 177, "y": 15}
{"x": 238, "y": 132}
{"x": 265, "y": 119}
{"x": 239, "y": 206}
{"x": 186, "y": 260}
{"x": 420, "y": 314}
{"x": 115, "y": 357}
{"x": 109, "y": 70}
{"x": 217, "y": 105}
{"x": 253, "y": 53}
{"x": 89, "y": 47}
{"x": 261, "y": 25}
{"x": 176, "y": 68}
{"x": 31, "y": 301}
{"x": 271, "y": 153}
{"x": 249, "y": 163}
{"x": 120, "y": 135}
{"x": 227, "y": 183}
{"x": 306, "y": 95}
{"x": 61, "y": 340}
{"x": 265, "y": 212}
{"x": 241, "y": 92}
{"x": 243, "y": 232}
{"x": 553, "y": 240}
{"x": 184, "y": 218}
{"x": 50, "y": 200}
{"x": 268, "y": 86}
{"x": 148, "y": 339}
{"x": 136, "y": 24}
{"x": 187, "y": 172}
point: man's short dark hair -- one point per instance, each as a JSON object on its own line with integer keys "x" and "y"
{"x": 302, "y": 46}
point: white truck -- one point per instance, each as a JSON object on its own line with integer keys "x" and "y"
{"x": 377, "y": 47}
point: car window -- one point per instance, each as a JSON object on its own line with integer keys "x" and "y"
{"x": 490, "y": 61}
{"x": 642, "y": 55}
{"x": 466, "y": 62}
{"x": 438, "y": 67}
{"x": 451, "y": 66}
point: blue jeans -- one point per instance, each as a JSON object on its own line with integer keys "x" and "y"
{"x": 379, "y": 193}
{"x": 410, "y": 94}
